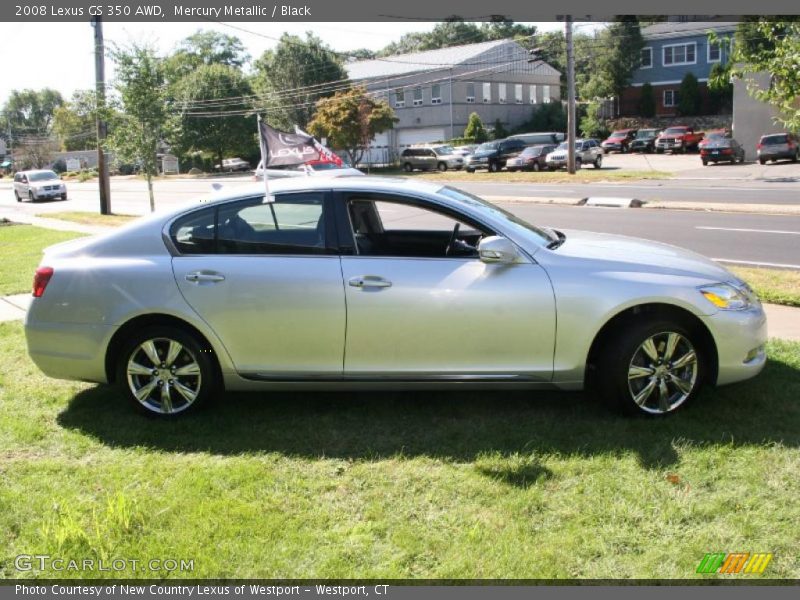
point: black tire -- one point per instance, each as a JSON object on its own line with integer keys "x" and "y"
{"x": 762, "y": 161}
{"x": 578, "y": 164}
{"x": 705, "y": 161}
{"x": 598, "y": 162}
{"x": 407, "y": 167}
{"x": 623, "y": 352}
{"x": 536, "y": 166}
{"x": 624, "y": 149}
{"x": 16, "y": 195}
{"x": 30, "y": 197}
{"x": 204, "y": 386}
{"x": 63, "y": 196}
{"x": 512, "y": 170}
{"x": 494, "y": 167}
{"x": 470, "y": 170}
{"x": 442, "y": 167}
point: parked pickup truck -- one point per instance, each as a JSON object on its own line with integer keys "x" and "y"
{"x": 678, "y": 139}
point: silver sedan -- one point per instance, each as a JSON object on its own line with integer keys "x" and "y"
{"x": 384, "y": 284}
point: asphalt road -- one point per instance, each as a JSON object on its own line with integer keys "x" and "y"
{"x": 768, "y": 240}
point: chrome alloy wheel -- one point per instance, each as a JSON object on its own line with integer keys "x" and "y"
{"x": 662, "y": 373}
{"x": 164, "y": 375}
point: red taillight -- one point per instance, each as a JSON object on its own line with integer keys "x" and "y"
{"x": 40, "y": 280}
{"x": 759, "y": 146}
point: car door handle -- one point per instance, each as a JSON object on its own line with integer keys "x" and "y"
{"x": 369, "y": 281}
{"x": 200, "y": 276}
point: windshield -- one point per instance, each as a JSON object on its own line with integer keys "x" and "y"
{"x": 487, "y": 147}
{"x": 443, "y": 150}
{"x": 42, "y": 176}
{"x": 646, "y": 133}
{"x": 675, "y": 131}
{"x": 619, "y": 134}
{"x": 541, "y": 236}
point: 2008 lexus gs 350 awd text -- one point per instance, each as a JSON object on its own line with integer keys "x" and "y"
{"x": 384, "y": 284}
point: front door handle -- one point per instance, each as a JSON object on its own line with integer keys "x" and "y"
{"x": 200, "y": 277}
{"x": 369, "y": 281}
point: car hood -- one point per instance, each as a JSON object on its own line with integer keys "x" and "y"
{"x": 484, "y": 154}
{"x": 614, "y": 140}
{"x": 635, "y": 254}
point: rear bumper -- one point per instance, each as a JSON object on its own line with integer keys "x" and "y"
{"x": 69, "y": 351}
{"x": 740, "y": 337}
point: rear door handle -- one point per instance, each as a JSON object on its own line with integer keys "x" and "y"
{"x": 201, "y": 276}
{"x": 369, "y": 281}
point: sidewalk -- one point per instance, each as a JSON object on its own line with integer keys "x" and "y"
{"x": 58, "y": 224}
{"x": 784, "y": 321}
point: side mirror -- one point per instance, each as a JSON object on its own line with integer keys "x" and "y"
{"x": 496, "y": 249}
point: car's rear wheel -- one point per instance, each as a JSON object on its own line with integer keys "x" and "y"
{"x": 166, "y": 372}
{"x": 494, "y": 167}
{"x": 762, "y": 161}
{"x": 651, "y": 368}
{"x": 408, "y": 168}
{"x": 536, "y": 166}
{"x": 598, "y": 162}
{"x": 442, "y": 166}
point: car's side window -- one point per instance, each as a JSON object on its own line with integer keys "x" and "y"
{"x": 292, "y": 224}
{"x": 392, "y": 228}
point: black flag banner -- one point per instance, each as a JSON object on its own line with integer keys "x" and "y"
{"x": 281, "y": 149}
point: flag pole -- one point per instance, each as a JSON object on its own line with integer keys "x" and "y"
{"x": 264, "y": 156}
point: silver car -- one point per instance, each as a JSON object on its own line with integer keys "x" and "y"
{"x": 38, "y": 185}
{"x": 587, "y": 152}
{"x": 428, "y": 158}
{"x": 384, "y": 284}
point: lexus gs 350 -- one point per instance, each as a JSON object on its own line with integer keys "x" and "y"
{"x": 374, "y": 283}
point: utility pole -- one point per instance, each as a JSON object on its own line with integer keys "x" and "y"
{"x": 570, "y": 95}
{"x": 102, "y": 128}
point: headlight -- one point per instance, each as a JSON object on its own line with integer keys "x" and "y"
{"x": 727, "y": 297}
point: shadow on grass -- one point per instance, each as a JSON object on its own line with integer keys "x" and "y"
{"x": 457, "y": 426}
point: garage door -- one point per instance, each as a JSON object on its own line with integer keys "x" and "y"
{"x": 422, "y": 135}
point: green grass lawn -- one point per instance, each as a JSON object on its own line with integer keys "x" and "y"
{"x": 583, "y": 176}
{"x": 21, "y": 251}
{"x": 439, "y": 485}
{"x": 89, "y": 218}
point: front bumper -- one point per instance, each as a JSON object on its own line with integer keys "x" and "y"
{"x": 740, "y": 336}
{"x": 611, "y": 146}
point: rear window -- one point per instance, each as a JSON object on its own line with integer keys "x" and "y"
{"x": 774, "y": 139}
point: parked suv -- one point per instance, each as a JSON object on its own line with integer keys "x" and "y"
{"x": 586, "y": 152}
{"x": 431, "y": 157}
{"x": 494, "y": 155}
{"x": 38, "y": 185}
{"x": 645, "y": 140}
{"x": 619, "y": 141}
{"x": 776, "y": 146}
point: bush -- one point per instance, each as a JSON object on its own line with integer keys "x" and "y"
{"x": 720, "y": 89}
{"x": 86, "y": 175}
{"x": 647, "y": 101}
{"x": 475, "y": 129}
{"x": 59, "y": 166}
{"x": 499, "y": 131}
{"x": 689, "y": 96}
{"x": 592, "y": 125}
{"x": 547, "y": 117}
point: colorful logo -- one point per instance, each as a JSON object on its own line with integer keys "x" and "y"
{"x": 735, "y": 562}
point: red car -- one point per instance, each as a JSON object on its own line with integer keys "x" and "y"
{"x": 619, "y": 140}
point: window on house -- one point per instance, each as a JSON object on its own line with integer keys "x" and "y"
{"x": 714, "y": 52}
{"x": 518, "y": 93}
{"x": 417, "y": 96}
{"x": 470, "y": 93}
{"x": 546, "y": 97}
{"x": 501, "y": 93}
{"x": 436, "y": 94}
{"x": 670, "y": 98}
{"x": 680, "y": 54}
{"x": 399, "y": 98}
{"x": 646, "y": 61}
{"x": 487, "y": 93}
{"x": 533, "y": 99}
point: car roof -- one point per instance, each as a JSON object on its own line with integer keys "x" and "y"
{"x": 36, "y": 171}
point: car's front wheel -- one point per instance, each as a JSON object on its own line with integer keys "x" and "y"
{"x": 494, "y": 167}
{"x": 598, "y": 162}
{"x": 442, "y": 166}
{"x": 16, "y": 195}
{"x": 650, "y": 368}
{"x": 166, "y": 371}
{"x": 408, "y": 168}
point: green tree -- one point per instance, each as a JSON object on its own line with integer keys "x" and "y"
{"x": 771, "y": 46}
{"x": 620, "y": 47}
{"x": 501, "y": 28}
{"x": 499, "y": 131}
{"x": 548, "y": 117}
{"x": 207, "y": 126}
{"x": 142, "y": 118}
{"x": 74, "y": 123}
{"x": 592, "y": 125}
{"x": 475, "y": 130}
{"x": 205, "y": 48}
{"x": 30, "y": 112}
{"x": 647, "y": 101}
{"x": 689, "y": 96}
{"x": 350, "y": 120}
{"x": 720, "y": 89}
{"x": 290, "y": 78}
